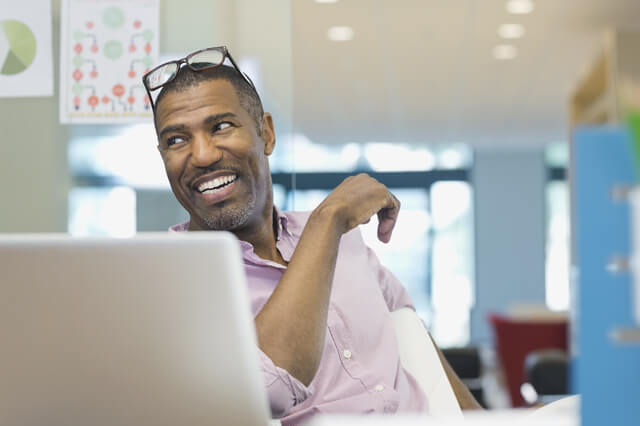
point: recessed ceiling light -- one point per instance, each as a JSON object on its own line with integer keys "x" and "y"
{"x": 340, "y": 33}
{"x": 326, "y": 1}
{"x": 510, "y": 31}
{"x": 505, "y": 51}
{"x": 519, "y": 7}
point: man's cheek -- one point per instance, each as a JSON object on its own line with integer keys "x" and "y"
{"x": 172, "y": 167}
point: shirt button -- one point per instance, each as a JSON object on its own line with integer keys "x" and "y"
{"x": 347, "y": 353}
{"x": 379, "y": 388}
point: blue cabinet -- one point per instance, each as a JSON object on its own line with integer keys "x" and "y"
{"x": 605, "y": 371}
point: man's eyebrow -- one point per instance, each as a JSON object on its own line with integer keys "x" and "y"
{"x": 217, "y": 117}
{"x": 174, "y": 128}
{"x": 209, "y": 120}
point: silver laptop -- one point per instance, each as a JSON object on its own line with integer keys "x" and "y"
{"x": 153, "y": 330}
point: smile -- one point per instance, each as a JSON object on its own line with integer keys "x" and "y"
{"x": 217, "y": 184}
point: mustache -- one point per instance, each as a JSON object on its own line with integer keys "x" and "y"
{"x": 214, "y": 168}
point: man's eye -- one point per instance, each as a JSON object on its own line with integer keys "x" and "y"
{"x": 175, "y": 140}
{"x": 221, "y": 126}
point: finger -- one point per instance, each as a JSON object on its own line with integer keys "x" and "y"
{"x": 387, "y": 218}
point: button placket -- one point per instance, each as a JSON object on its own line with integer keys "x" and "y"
{"x": 341, "y": 338}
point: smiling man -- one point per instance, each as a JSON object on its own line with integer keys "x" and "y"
{"x": 320, "y": 297}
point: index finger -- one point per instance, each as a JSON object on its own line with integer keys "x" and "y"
{"x": 387, "y": 217}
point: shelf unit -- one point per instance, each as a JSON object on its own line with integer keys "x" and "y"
{"x": 610, "y": 86}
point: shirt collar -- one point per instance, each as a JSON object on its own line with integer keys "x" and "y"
{"x": 282, "y": 222}
{"x": 180, "y": 227}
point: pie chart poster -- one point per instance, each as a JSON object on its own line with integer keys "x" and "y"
{"x": 105, "y": 48}
{"x": 26, "y": 62}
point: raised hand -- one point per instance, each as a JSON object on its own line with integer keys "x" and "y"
{"x": 356, "y": 200}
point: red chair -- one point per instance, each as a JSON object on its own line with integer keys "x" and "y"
{"x": 515, "y": 338}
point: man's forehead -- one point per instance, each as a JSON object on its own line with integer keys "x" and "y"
{"x": 209, "y": 95}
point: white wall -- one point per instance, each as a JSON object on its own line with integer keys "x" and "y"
{"x": 189, "y": 25}
{"x": 33, "y": 170}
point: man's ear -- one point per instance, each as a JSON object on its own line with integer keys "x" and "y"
{"x": 268, "y": 133}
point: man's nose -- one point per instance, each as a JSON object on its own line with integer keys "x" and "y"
{"x": 204, "y": 151}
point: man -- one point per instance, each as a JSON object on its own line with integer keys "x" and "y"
{"x": 320, "y": 297}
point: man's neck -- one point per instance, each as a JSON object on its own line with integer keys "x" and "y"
{"x": 263, "y": 237}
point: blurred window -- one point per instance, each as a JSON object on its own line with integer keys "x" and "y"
{"x": 557, "y": 232}
{"x": 452, "y": 262}
{"x": 431, "y": 251}
{"x": 557, "y": 246}
{"x": 102, "y": 211}
{"x": 107, "y": 163}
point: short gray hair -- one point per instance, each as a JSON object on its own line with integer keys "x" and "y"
{"x": 248, "y": 96}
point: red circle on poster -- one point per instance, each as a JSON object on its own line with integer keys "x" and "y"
{"x": 118, "y": 90}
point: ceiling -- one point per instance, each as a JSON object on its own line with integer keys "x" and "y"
{"x": 421, "y": 71}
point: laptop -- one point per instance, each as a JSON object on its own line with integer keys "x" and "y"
{"x": 152, "y": 330}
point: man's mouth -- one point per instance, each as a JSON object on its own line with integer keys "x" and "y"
{"x": 216, "y": 184}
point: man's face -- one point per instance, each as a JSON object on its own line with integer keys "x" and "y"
{"x": 215, "y": 158}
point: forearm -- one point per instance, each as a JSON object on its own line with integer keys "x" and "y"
{"x": 291, "y": 326}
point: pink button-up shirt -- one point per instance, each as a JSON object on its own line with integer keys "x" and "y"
{"x": 360, "y": 369}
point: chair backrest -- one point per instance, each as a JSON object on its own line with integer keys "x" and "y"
{"x": 419, "y": 357}
{"x": 547, "y": 371}
{"x": 514, "y": 339}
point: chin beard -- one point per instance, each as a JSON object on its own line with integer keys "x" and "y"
{"x": 230, "y": 218}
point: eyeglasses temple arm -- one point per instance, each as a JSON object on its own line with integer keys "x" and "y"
{"x": 244, "y": 75}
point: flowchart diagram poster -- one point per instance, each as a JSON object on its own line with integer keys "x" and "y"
{"x": 26, "y": 61}
{"x": 106, "y": 46}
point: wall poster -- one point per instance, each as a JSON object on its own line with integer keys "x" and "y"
{"x": 106, "y": 47}
{"x": 26, "y": 58}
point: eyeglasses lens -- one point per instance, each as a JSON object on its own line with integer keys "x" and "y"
{"x": 160, "y": 76}
{"x": 206, "y": 58}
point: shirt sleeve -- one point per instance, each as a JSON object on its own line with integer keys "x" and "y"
{"x": 393, "y": 291}
{"x": 284, "y": 390}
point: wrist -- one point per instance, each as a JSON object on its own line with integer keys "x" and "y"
{"x": 328, "y": 219}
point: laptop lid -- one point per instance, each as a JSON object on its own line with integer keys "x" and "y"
{"x": 152, "y": 330}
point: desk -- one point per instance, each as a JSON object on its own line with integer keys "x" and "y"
{"x": 564, "y": 412}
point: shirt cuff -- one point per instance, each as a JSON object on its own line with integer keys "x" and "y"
{"x": 284, "y": 390}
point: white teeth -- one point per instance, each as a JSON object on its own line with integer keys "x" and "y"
{"x": 217, "y": 182}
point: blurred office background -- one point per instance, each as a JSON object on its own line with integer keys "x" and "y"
{"x": 460, "y": 106}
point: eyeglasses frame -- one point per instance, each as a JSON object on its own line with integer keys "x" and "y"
{"x": 185, "y": 60}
